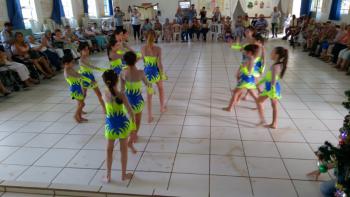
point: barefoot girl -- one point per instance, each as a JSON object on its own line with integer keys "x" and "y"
{"x": 272, "y": 84}
{"x": 246, "y": 77}
{"x": 119, "y": 123}
{"x": 152, "y": 58}
{"x": 131, "y": 85}
{"x": 259, "y": 62}
{"x": 86, "y": 70}
{"x": 74, "y": 80}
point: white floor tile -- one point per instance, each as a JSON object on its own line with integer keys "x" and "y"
{"x": 25, "y": 156}
{"x": 226, "y": 147}
{"x": 75, "y": 176}
{"x": 39, "y": 174}
{"x": 199, "y": 164}
{"x": 56, "y": 157}
{"x": 199, "y": 184}
{"x": 11, "y": 172}
{"x": 196, "y": 132}
{"x": 266, "y": 167}
{"x": 263, "y": 187}
{"x": 295, "y": 150}
{"x": 194, "y": 146}
{"x": 84, "y": 159}
{"x": 228, "y": 165}
{"x": 156, "y": 162}
{"x": 226, "y": 186}
{"x": 150, "y": 180}
{"x": 260, "y": 149}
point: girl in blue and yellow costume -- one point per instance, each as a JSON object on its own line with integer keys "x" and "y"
{"x": 86, "y": 70}
{"x": 75, "y": 81}
{"x": 116, "y": 49}
{"x": 152, "y": 58}
{"x": 246, "y": 79}
{"x": 119, "y": 123}
{"x": 272, "y": 84}
{"x": 131, "y": 85}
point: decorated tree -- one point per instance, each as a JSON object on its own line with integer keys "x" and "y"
{"x": 338, "y": 157}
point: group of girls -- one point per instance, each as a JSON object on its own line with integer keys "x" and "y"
{"x": 250, "y": 71}
{"x": 123, "y": 102}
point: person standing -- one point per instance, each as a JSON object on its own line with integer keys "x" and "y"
{"x": 135, "y": 22}
{"x": 118, "y": 18}
{"x": 274, "y": 21}
{"x": 216, "y": 15}
{"x": 203, "y": 14}
{"x": 179, "y": 15}
{"x": 192, "y": 13}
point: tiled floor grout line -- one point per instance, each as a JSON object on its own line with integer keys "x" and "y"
{"x": 211, "y": 96}
{"x": 240, "y": 134}
{"x": 179, "y": 140}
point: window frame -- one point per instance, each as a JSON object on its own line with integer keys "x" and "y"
{"x": 32, "y": 13}
{"x": 92, "y": 8}
{"x": 68, "y": 8}
{"x": 345, "y": 9}
{"x": 106, "y": 7}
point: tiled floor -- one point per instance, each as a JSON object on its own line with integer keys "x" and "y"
{"x": 195, "y": 147}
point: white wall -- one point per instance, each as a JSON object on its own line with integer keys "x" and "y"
{"x": 3, "y": 12}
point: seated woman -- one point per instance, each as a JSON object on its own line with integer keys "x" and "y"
{"x": 227, "y": 29}
{"x": 99, "y": 36}
{"x": 22, "y": 53}
{"x": 176, "y": 28}
{"x": 157, "y": 29}
{"x": 167, "y": 30}
{"x": 196, "y": 29}
{"x": 343, "y": 59}
{"x": 44, "y": 50}
{"x": 47, "y": 39}
{"x": 19, "y": 68}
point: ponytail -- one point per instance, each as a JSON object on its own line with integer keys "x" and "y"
{"x": 282, "y": 59}
{"x": 150, "y": 37}
{"x": 110, "y": 78}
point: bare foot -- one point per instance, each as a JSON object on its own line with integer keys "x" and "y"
{"x": 131, "y": 146}
{"x": 261, "y": 123}
{"x": 84, "y": 119}
{"x": 163, "y": 109}
{"x": 107, "y": 179}
{"x": 127, "y": 176}
{"x": 150, "y": 119}
{"x": 227, "y": 109}
{"x": 271, "y": 126}
{"x": 77, "y": 119}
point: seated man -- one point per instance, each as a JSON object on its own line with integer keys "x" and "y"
{"x": 6, "y": 36}
{"x": 176, "y": 28}
{"x": 261, "y": 24}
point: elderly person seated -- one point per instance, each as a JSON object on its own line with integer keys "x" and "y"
{"x": 158, "y": 29}
{"x": 19, "y": 68}
{"x": 22, "y": 53}
{"x": 99, "y": 36}
{"x": 147, "y": 26}
{"x": 66, "y": 42}
{"x": 261, "y": 24}
{"x": 167, "y": 30}
{"x": 6, "y": 36}
{"x": 42, "y": 48}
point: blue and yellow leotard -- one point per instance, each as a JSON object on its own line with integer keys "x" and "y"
{"x": 151, "y": 69}
{"x": 75, "y": 87}
{"x": 271, "y": 91}
{"x": 259, "y": 67}
{"x": 118, "y": 125}
{"x": 246, "y": 79}
{"x": 133, "y": 90}
{"x": 117, "y": 65}
{"x": 89, "y": 80}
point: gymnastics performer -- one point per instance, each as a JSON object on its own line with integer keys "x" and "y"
{"x": 119, "y": 123}
{"x": 272, "y": 84}
{"x": 74, "y": 80}
{"x": 246, "y": 79}
{"x": 131, "y": 85}
{"x": 154, "y": 71}
{"x": 86, "y": 70}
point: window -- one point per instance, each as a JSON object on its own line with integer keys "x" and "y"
{"x": 28, "y": 12}
{"x": 316, "y": 5}
{"x": 92, "y": 8}
{"x": 68, "y": 8}
{"x": 106, "y": 7}
{"x": 345, "y": 6}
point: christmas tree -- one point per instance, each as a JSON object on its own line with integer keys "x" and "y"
{"x": 338, "y": 156}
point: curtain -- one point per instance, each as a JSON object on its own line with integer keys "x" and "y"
{"x": 275, "y": 3}
{"x": 305, "y": 7}
{"x": 233, "y": 6}
{"x": 284, "y": 6}
{"x": 86, "y": 6}
{"x": 334, "y": 14}
{"x": 243, "y": 5}
{"x": 110, "y": 5}
{"x": 57, "y": 11}
{"x": 14, "y": 11}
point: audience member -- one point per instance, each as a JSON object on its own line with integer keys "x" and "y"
{"x": 216, "y": 15}
{"x": 185, "y": 31}
{"x": 136, "y": 25}
{"x": 147, "y": 26}
{"x": 157, "y": 29}
{"x": 205, "y": 29}
{"x": 118, "y": 18}
{"x": 275, "y": 15}
{"x": 203, "y": 14}
{"x": 167, "y": 30}
{"x": 6, "y": 36}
